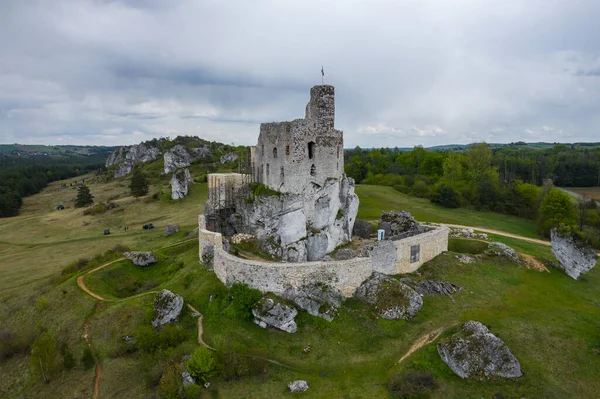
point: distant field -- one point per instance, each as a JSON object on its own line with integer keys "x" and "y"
{"x": 590, "y": 192}
{"x": 374, "y": 199}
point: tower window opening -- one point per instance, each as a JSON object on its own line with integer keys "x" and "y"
{"x": 262, "y": 150}
{"x": 311, "y": 149}
{"x": 287, "y": 150}
{"x": 268, "y": 170}
{"x": 313, "y": 170}
{"x": 275, "y": 152}
{"x": 282, "y": 173}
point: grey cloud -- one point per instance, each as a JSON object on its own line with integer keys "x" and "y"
{"x": 415, "y": 72}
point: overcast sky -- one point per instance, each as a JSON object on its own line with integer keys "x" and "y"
{"x": 406, "y": 73}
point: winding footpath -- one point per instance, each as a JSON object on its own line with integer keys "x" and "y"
{"x": 500, "y": 233}
{"x": 86, "y": 326}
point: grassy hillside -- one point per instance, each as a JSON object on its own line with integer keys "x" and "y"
{"x": 550, "y": 322}
{"x": 374, "y": 199}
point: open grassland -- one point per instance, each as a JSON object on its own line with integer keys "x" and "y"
{"x": 550, "y": 322}
{"x": 42, "y": 240}
{"x": 374, "y": 199}
{"x": 589, "y": 192}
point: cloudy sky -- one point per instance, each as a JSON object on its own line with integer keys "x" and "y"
{"x": 424, "y": 72}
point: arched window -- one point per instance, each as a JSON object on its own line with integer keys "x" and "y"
{"x": 313, "y": 170}
{"x": 287, "y": 150}
{"x": 275, "y": 152}
{"x": 282, "y": 174}
{"x": 268, "y": 170}
{"x": 311, "y": 149}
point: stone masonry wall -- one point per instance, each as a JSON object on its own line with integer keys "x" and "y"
{"x": 344, "y": 275}
{"x": 431, "y": 244}
{"x": 289, "y": 156}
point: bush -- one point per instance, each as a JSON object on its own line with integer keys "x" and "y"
{"x": 12, "y": 344}
{"x": 243, "y": 299}
{"x": 420, "y": 189}
{"x": 43, "y": 357}
{"x": 149, "y": 340}
{"x": 202, "y": 364}
{"x": 233, "y": 366}
{"x": 556, "y": 209}
{"x": 446, "y": 196}
{"x": 170, "y": 385}
{"x": 411, "y": 385}
{"x": 87, "y": 359}
{"x": 68, "y": 360}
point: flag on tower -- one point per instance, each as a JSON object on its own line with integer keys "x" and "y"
{"x": 322, "y": 73}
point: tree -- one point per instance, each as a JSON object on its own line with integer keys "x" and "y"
{"x": 202, "y": 364}
{"x": 446, "y": 196}
{"x": 139, "y": 184}
{"x": 556, "y": 209}
{"x": 43, "y": 357}
{"x": 84, "y": 197}
{"x": 67, "y": 356}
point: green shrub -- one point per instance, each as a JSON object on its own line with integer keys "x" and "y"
{"x": 233, "y": 366}
{"x": 193, "y": 392}
{"x": 170, "y": 385}
{"x": 12, "y": 344}
{"x": 150, "y": 341}
{"x": 68, "y": 360}
{"x": 446, "y": 196}
{"x": 87, "y": 359}
{"x": 43, "y": 357}
{"x": 467, "y": 246}
{"x": 243, "y": 299}
{"x": 202, "y": 364}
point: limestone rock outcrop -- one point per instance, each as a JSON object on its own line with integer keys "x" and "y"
{"x": 171, "y": 229}
{"x": 127, "y": 156}
{"x": 229, "y": 157}
{"x": 467, "y": 233}
{"x": 574, "y": 256}
{"x": 298, "y": 386}
{"x": 392, "y": 298}
{"x": 431, "y": 287}
{"x": 177, "y": 157}
{"x": 167, "y": 307}
{"x": 300, "y": 227}
{"x": 362, "y": 229}
{"x": 399, "y": 222}
{"x": 268, "y": 312}
{"x": 141, "y": 258}
{"x": 500, "y": 249}
{"x": 474, "y": 352}
{"x": 179, "y": 183}
{"x": 316, "y": 299}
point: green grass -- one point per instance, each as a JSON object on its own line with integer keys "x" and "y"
{"x": 374, "y": 199}
{"x": 467, "y": 246}
{"x": 550, "y": 322}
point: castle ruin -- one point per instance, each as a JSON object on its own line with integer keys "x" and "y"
{"x": 312, "y": 206}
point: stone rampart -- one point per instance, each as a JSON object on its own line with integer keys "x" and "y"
{"x": 390, "y": 257}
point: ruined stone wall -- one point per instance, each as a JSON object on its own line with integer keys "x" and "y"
{"x": 289, "y": 156}
{"x": 221, "y": 186}
{"x": 344, "y": 275}
{"x": 431, "y": 244}
{"x": 390, "y": 257}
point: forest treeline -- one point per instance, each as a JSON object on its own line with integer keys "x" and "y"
{"x": 23, "y": 176}
{"x": 508, "y": 180}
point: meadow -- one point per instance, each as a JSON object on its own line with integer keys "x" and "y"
{"x": 550, "y": 322}
{"x": 589, "y": 192}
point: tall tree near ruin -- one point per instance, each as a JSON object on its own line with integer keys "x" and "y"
{"x": 139, "y": 184}
{"x": 84, "y": 197}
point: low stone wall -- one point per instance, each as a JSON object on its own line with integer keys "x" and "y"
{"x": 389, "y": 257}
{"x": 431, "y": 244}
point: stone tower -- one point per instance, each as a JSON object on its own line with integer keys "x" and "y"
{"x": 291, "y": 156}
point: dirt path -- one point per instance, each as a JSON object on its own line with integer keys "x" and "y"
{"x": 200, "y": 328}
{"x": 500, "y": 233}
{"x": 425, "y": 340}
